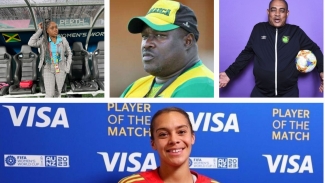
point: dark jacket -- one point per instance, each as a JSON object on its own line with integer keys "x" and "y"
{"x": 275, "y": 75}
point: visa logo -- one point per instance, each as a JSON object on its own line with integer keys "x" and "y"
{"x": 129, "y": 162}
{"x": 60, "y": 117}
{"x": 214, "y": 122}
{"x": 289, "y": 164}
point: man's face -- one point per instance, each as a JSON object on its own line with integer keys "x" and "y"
{"x": 172, "y": 138}
{"x": 278, "y": 13}
{"x": 162, "y": 52}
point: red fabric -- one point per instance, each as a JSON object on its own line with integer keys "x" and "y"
{"x": 26, "y": 84}
{"x": 152, "y": 176}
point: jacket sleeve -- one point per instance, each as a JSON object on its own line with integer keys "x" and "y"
{"x": 243, "y": 58}
{"x": 68, "y": 51}
{"x": 307, "y": 44}
{"x": 36, "y": 40}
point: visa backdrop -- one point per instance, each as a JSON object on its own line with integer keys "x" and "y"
{"x": 101, "y": 143}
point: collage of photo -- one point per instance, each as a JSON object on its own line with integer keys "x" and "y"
{"x": 209, "y": 91}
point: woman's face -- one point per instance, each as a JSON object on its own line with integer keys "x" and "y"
{"x": 52, "y": 29}
{"x": 173, "y": 139}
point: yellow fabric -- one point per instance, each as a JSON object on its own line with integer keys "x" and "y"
{"x": 185, "y": 77}
{"x": 163, "y": 12}
{"x": 142, "y": 86}
{"x": 132, "y": 178}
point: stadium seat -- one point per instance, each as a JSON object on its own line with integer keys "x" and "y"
{"x": 5, "y": 71}
{"x": 98, "y": 64}
{"x": 25, "y": 70}
{"x": 79, "y": 75}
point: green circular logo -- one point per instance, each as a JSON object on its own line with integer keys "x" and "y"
{"x": 285, "y": 39}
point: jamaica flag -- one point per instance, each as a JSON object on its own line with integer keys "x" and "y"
{"x": 11, "y": 37}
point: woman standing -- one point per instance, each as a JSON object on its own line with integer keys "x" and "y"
{"x": 52, "y": 57}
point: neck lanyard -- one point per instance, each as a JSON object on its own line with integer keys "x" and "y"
{"x": 52, "y": 59}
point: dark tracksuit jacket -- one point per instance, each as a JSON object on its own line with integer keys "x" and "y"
{"x": 275, "y": 50}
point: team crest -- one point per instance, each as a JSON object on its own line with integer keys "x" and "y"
{"x": 285, "y": 39}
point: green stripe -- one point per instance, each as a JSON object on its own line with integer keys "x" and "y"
{"x": 190, "y": 88}
{"x": 126, "y": 90}
{"x": 166, "y": 27}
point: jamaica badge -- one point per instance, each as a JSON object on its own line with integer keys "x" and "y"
{"x": 285, "y": 39}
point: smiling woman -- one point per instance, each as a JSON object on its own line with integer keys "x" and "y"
{"x": 172, "y": 136}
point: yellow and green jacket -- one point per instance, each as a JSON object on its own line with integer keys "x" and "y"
{"x": 197, "y": 81}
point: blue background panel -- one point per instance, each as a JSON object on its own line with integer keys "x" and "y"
{"x": 242, "y": 131}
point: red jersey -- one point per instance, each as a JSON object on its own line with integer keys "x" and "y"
{"x": 152, "y": 176}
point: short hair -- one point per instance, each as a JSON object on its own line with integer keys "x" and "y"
{"x": 167, "y": 110}
{"x": 280, "y": 0}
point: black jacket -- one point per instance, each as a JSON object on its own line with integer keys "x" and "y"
{"x": 275, "y": 76}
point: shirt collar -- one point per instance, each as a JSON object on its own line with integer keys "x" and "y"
{"x": 58, "y": 39}
{"x": 279, "y": 28}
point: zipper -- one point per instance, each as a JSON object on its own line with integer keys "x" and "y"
{"x": 276, "y": 62}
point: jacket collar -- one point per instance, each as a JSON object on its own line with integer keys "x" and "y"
{"x": 58, "y": 39}
{"x": 280, "y": 29}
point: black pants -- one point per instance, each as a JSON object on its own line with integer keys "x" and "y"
{"x": 294, "y": 92}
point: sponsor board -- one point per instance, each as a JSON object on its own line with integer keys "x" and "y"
{"x": 129, "y": 120}
{"x": 38, "y": 117}
{"x": 55, "y": 161}
{"x": 129, "y": 161}
{"x": 136, "y": 161}
{"x": 213, "y": 163}
{"x": 289, "y": 164}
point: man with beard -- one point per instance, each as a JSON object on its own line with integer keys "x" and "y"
{"x": 275, "y": 44}
{"x": 170, "y": 54}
